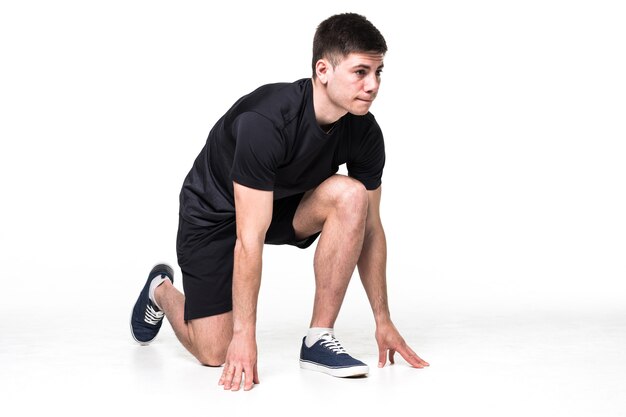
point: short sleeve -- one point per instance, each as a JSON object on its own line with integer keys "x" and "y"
{"x": 368, "y": 157}
{"x": 259, "y": 150}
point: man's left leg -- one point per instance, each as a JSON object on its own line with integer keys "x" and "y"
{"x": 337, "y": 208}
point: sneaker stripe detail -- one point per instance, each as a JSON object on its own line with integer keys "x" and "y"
{"x": 338, "y": 372}
{"x": 330, "y": 366}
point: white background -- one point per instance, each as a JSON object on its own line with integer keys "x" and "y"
{"x": 503, "y": 193}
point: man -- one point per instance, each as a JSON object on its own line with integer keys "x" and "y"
{"x": 267, "y": 174}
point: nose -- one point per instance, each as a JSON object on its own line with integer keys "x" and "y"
{"x": 372, "y": 82}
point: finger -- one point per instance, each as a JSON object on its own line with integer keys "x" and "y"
{"x": 256, "y": 375}
{"x": 410, "y": 356}
{"x": 420, "y": 360}
{"x": 228, "y": 377}
{"x": 391, "y": 353}
{"x": 237, "y": 379}
{"x": 249, "y": 371}
{"x": 224, "y": 372}
{"x": 382, "y": 357}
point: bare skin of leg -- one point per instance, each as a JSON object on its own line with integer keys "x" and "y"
{"x": 206, "y": 338}
{"x": 338, "y": 208}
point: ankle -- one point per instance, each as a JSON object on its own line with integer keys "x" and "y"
{"x": 160, "y": 291}
{"x": 315, "y": 333}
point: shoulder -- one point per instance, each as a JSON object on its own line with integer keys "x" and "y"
{"x": 278, "y": 102}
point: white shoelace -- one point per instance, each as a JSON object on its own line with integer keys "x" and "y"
{"x": 153, "y": 316}
{"x": 331, "y": 343}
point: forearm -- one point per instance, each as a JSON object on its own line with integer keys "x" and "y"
{"x": 246, "y": 283}
{"x": 372, "y": 266}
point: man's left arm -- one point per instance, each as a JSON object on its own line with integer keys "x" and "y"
{"x": 372, "y": 266}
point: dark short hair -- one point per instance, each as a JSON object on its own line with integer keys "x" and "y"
{"x": 345, "y": 33}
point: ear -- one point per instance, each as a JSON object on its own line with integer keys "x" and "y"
{"x": 321, "y": 70}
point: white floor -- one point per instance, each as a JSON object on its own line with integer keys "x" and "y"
{"x": 513, "y": 364}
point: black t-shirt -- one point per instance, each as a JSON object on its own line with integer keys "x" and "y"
{"x": 270, "y": 140}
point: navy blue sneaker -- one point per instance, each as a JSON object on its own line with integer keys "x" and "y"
{"x": 328, "y": 356}
{"x": 147, "y": 318}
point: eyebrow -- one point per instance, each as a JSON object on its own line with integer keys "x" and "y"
{"x": 367, "y": 67}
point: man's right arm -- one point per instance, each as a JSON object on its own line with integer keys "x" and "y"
{"x": 253, "y": 210}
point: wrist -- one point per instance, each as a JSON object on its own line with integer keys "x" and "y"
{"x": 244, "y": 330}
{"x": 383, "y": 320}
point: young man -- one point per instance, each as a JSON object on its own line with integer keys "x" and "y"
{"x": 267, "y": 174}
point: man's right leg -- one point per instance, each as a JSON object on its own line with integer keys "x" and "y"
{"x": 206, "y": 338}
{"x": 202, "y": 318}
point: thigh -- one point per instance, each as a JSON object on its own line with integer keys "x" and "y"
{"x": 205, "y": 257}
{"x": 317, "y": 203}
{"x": 281, "y": 231}
{"x": 210, "y": 337}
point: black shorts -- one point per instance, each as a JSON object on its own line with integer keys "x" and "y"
{"x": 205, "y": 256}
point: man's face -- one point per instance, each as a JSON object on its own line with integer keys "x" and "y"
{"x": 353, "y": 84}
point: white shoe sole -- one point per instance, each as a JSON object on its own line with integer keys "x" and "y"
{"x": 338, "y": 372}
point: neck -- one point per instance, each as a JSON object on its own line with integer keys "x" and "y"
{"x": 326, "y": 113}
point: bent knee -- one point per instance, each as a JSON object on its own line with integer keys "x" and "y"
{"x": 210, "y": 357}
{"x": 210, "y": 351}
{"x": 209, "y": 338}
{"x": 350, "y": 194}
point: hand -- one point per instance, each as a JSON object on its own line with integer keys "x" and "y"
{"x": 389, "y": 339}
{"x": 240, "y": 360}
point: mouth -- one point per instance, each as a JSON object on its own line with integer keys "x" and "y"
{"x": 365, "y": 100}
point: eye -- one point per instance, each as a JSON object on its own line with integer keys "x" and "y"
{"x": 360, "y": 72}
{"x": 379, "y": 72}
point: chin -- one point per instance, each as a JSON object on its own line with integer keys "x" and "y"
{"x": 359, "y": 112}
{"x": 360, "y": 108}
